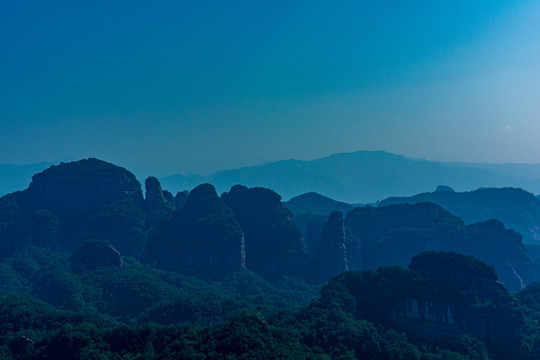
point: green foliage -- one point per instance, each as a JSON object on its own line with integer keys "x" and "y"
{"x": 144, "y": 311}
{"x": 241, "y": 317}
{"x": 246, "y": 336}
{"x": 449, "y": 264}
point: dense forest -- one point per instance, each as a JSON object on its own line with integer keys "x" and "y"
{"x": 92, "y": 268}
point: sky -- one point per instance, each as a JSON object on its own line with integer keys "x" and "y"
{"x": 198, "y": 86}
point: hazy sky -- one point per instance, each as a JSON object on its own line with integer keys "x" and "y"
{"x": 180, "y": 86}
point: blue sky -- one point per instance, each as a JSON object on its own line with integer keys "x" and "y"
{"x": 178, "y": 86}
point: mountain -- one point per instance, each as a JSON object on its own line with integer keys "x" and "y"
{"x": 92, "y": 269}
{"x": 391, "y": 235}
{"x": 365, "y": 176}
{"x": 357, "y": 177}
{"x": 315, "y": 204}
{"x": 203, "y": 237}
{"x": 67, "y": 205}
{"x": 516, "y": 208}
{"x": 440, "y": 295}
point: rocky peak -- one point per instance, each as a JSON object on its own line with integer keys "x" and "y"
{"x": 201, "y": 201}
{"x": 332, "y": 256}
{"x": 203, "y": 237}
{"x": 154, "y": 193}
{"x": 155, "y": 196}
{"x": 83, "y": 185}
{"x": 274, "y": 244}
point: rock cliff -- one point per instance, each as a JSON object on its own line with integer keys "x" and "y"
{"x": 159, "y": 204}
{"x": 203, "y": 237}
{"x": 332, "y": 255}
{"x": 274, "y": 244}
{"x": 83, "y": 185}
{"x": 441, "y": 295}
{"x": 155, "y": 196}
{"x": 73, "y": 202}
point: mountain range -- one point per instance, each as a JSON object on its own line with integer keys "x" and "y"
{"x": 356, "y": 177}
{"x": 516, "y": 208}
{"x": 365, "y": 176}
{"x": 93, "y": 266}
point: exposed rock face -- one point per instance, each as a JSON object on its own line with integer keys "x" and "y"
{"x": 83, "y": 185}
{"x": 440, "y": 295}
{"x": 429, "y": 319}
{"x": 332, "y": 256}
{"x": 93, "y": 254}
{"x": 159, "y": 204}
{"x": 70, "y": 203}
{"x": 468, "y": 312}
{"x": 354, "y": 251}
{"x": 154, "y": 194}
{"x": 274, "y": 245}
{"x": 203, "y": 237}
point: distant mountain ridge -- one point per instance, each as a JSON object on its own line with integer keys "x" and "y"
{"x": 315, "y": 204}
{"x": 356, "y": 177}
{"x": 516, "y": 208}
{"x": 365, "y": 176}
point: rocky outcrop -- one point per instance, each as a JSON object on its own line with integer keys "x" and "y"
{"x": 83, "y": 186}
{"x": 94, "y": 254}
{"x": 354, "y": 251}
{"x": 274, "y": 244}
{"x": 155, "y": 196}
{"x": 464, "y": 298}
{"x": 73, "y": 202}
{"x": 202, "y": 238}
{"x": 429, "y": 319}
{"x": 332, "y": 256}
{"x": 441, "y": 295}
{"x": 159, "y": 204}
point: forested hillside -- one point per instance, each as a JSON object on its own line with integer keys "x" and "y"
{"x": 92, "y": 267}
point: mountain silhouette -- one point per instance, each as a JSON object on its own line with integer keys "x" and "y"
{"x": 364, "y": 176}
